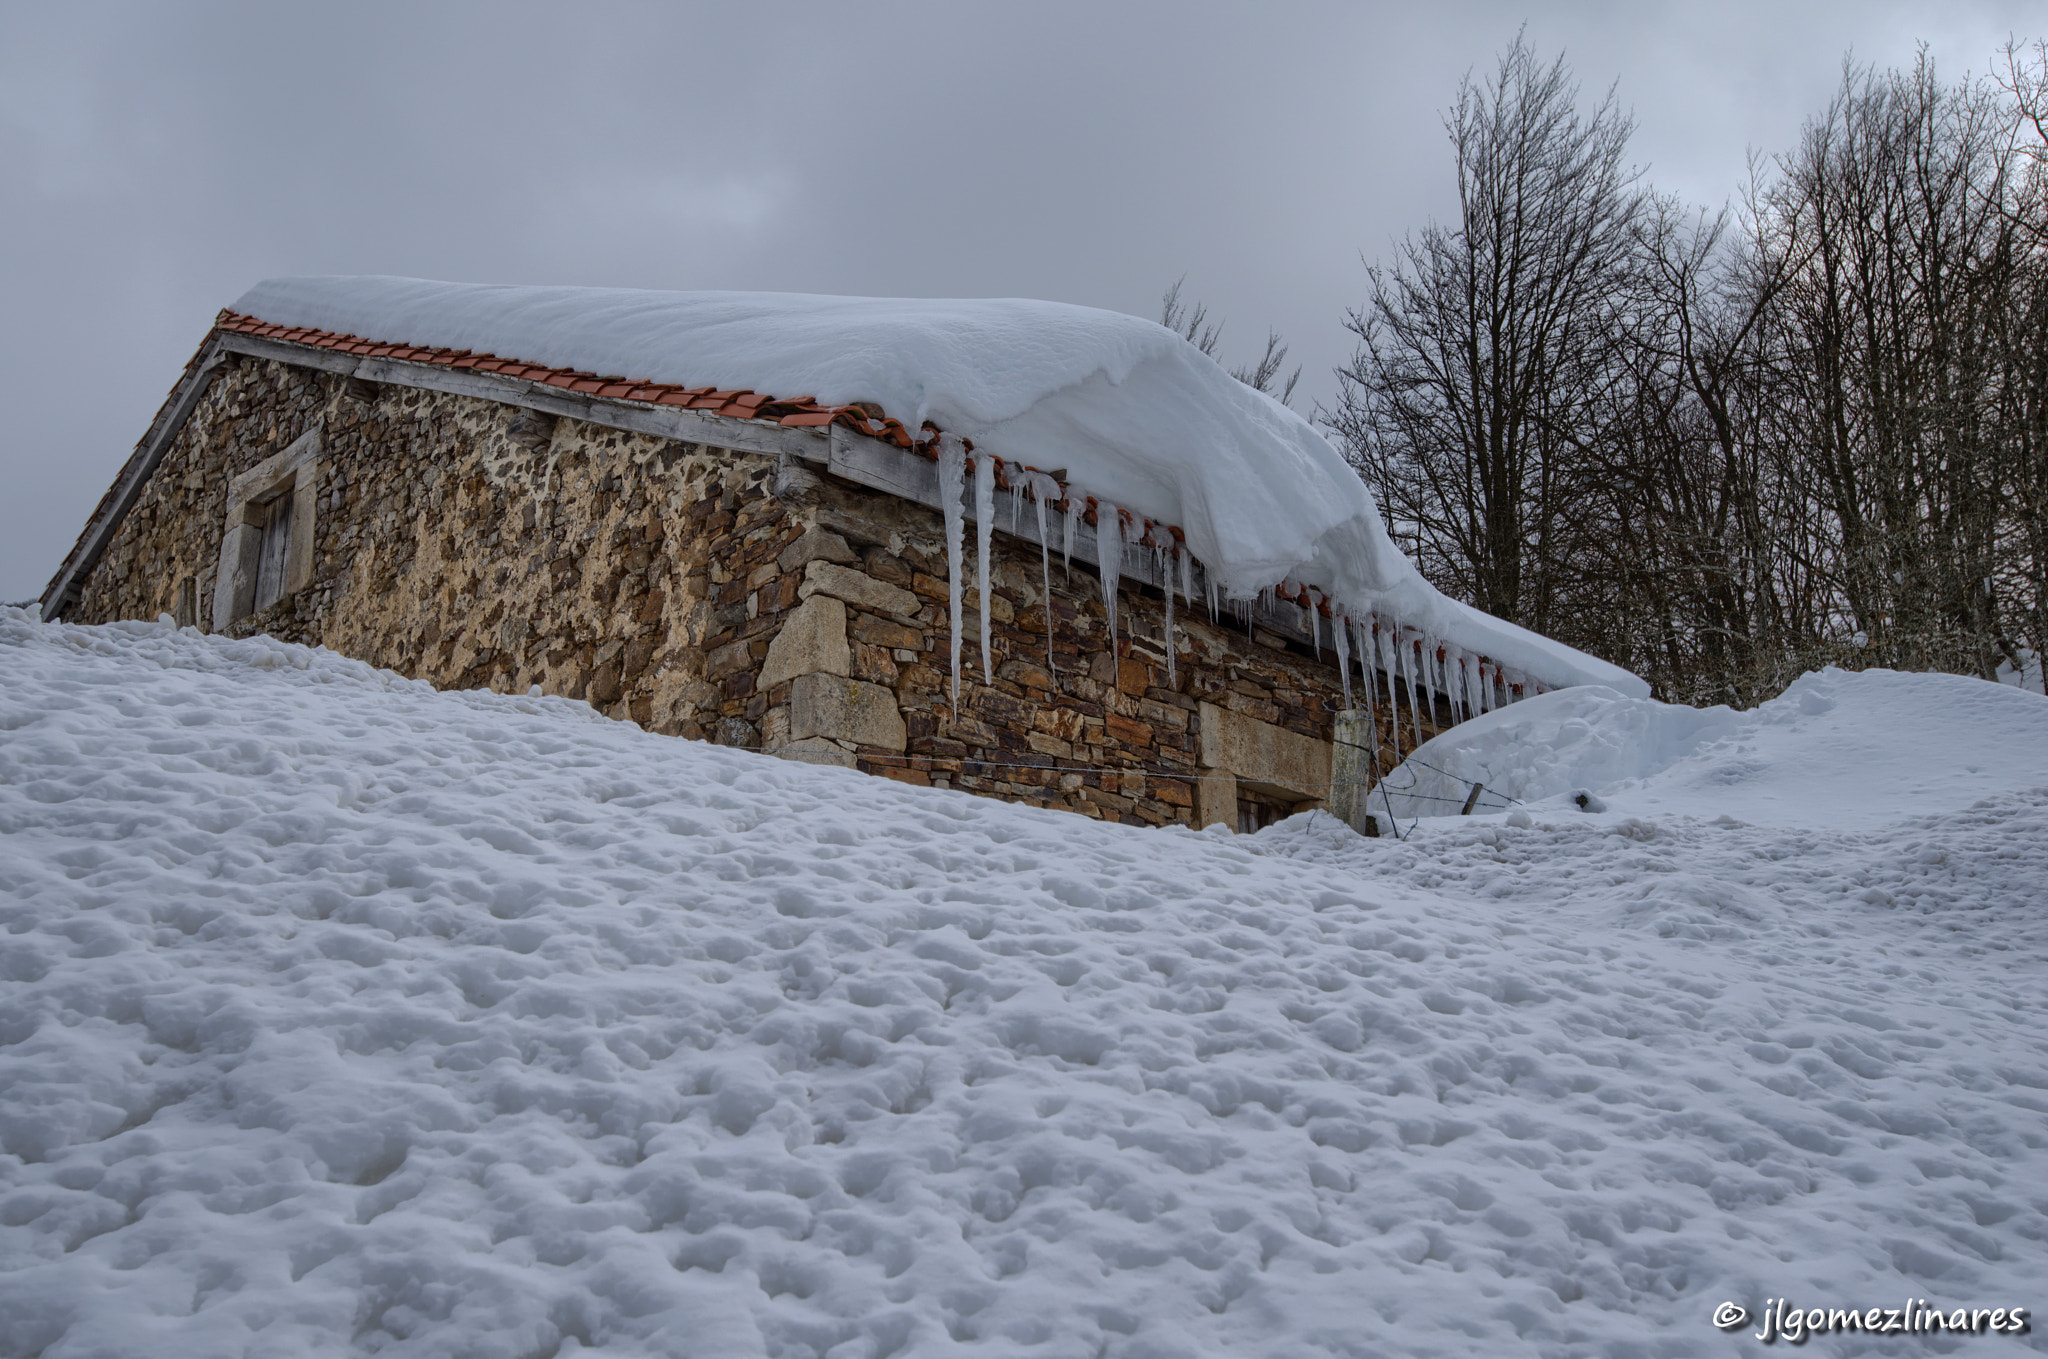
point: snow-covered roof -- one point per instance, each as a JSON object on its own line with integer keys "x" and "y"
{"x": 1140, "y": 419}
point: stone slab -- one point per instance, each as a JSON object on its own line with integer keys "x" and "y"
{"x": 816, "y": 544}
{"x": 818, "y": 750}
{"x": 812, "y": 642}
{"x": 858, "y": 588}
{"x": 848, "y": 710}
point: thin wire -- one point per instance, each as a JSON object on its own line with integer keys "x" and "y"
{"x": 1426, "y": 765}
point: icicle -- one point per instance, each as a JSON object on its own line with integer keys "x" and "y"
{"x": 1315, "y": 623}
{"x": 1187, "y": 577}
{"x": 1016, "y": 499}
{"x": 1076, "y": 508}
{"x": 952, "y": 482}
{"x": 1407, "y": 650}
{"x": 1045, "y": 573}
{"x": 1171, "y": 649}
{"x": 1383, "y": 642}
{"x": 1426, "y": 655}
{"x": 1340, "y": 640}
{"x": 1368, "y": 674}
{"x": 984, "y": 525}
{"x": 1109, "y": 556}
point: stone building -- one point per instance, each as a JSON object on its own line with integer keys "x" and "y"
{"x": 718, "y": 565}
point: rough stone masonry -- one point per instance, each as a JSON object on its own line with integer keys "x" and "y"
{"x": 704, "y": 592}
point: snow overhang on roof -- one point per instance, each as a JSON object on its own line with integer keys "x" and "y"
{"x": 1143, "y": 424}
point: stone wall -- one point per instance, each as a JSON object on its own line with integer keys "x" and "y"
{"x": 719, "y": 595}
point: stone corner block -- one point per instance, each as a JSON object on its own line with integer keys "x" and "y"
{"x": 858, "y": 588}
{"x": 812, "y": 642}
{"x": 847, "y": 710}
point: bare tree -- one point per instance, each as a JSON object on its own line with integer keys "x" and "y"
{"x": 1190, "y": 321}
{"x": 1900, "y": 230}
{"x": 1485, "y": 350}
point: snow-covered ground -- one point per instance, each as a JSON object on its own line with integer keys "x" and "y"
{"x": 1836, "y": 750}
{"x": 338, "y": 1015}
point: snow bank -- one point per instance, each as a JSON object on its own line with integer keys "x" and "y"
{"x": 2029, "y": 674}
{"x": 1139, "y": 417}
{"x": 1837, "y": 747}
{"x": 342, "y": 1016}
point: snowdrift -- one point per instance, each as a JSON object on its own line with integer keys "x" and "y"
{"x": 341, "y": 1016}
{"x": 1836, "y": 748}
{"x": 1138, "y": 417}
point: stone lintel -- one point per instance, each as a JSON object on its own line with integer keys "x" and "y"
{"x": 1288, "y": 765}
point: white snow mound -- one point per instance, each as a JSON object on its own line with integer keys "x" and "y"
{"x": 1137, "y": 416}
{"x": 1837, "y": 747}
{"x": 340, "y": 1016}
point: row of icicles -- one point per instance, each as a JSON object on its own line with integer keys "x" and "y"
{"x": 1469, "y": 683}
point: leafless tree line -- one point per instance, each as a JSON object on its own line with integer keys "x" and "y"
{"x": 1723, "y": 448}
{"x": 1190, "y": 321}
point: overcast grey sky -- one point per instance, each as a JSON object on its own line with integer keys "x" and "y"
{"x": 157, "y": 159}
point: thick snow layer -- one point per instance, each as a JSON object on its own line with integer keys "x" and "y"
{"x": 1138, "y": 417}
{"x": 341, "y": 1016}
{"x": 1836, "y": 748}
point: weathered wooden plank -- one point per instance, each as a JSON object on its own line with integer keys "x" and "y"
{"x": 667, "y": 422}
{"x": 882, "y": 466}
{"x": 299, "y": 355}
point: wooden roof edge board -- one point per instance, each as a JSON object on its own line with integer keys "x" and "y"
{"x": 639, "y": 417}
{"x": 65, "y": 587}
